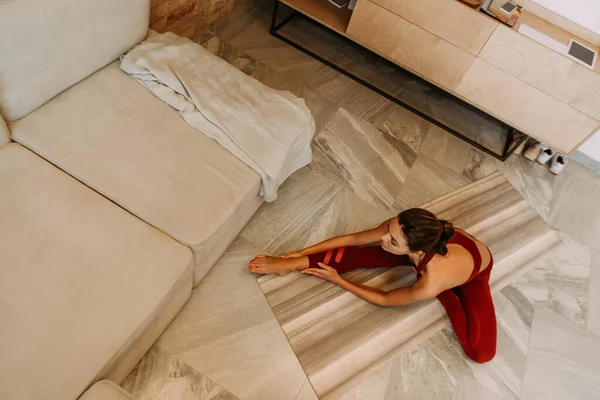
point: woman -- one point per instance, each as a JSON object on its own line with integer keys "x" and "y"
{"x": 450, "y": 263}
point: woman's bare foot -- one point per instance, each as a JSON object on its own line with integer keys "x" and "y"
{"x": 264, "y": 264}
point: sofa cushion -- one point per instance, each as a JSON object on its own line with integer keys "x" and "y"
{"x": 4, "y": 134}
{"x": 79, "y": 279}
{"x": 47, "y": 46}
{"x": 106, "y": 390}
{"x": 111, "y": 133}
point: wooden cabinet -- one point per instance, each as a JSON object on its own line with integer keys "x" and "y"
{"x": 509, "y": 76}
{"x": 544, "y": 69}
{"x": 525, "y": 107}
{"x": 451, "y": 20}
{"x": 529, "y": 86}
{"x": 409, "y": 45}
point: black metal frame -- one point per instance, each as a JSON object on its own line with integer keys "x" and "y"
{"x": 510, "y": 137}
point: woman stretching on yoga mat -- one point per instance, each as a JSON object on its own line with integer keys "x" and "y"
{"x": 450, "y": 263}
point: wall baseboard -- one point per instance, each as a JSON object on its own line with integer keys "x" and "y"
{"x": 586, "y": 161}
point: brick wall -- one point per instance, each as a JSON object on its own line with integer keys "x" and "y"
{"x": 189, "y": 17}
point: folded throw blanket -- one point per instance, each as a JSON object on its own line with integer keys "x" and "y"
{"x": 268, "y": 129}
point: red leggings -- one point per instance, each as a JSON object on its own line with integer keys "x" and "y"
{"x": 469, "y": 306}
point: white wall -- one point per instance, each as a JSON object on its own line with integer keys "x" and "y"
{"x": 591, "y": 147}
{"x": 584, "y": 12}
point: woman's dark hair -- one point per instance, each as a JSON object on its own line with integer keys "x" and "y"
{"x": 424, "y": 231}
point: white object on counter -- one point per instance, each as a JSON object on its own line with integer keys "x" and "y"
{"x": 543, "y": 39}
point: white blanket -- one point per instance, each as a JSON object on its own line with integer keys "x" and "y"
{"x": 269, "y": 130}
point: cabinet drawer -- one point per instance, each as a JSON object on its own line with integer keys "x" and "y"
{"x": 451, "y": 20}
{"x": 525, "y": 107}
{"x": 545, "y": 69}
{"x": 408, "y": 45}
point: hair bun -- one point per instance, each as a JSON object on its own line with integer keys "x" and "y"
{"x": 447, "y": 233}
{"x": 447, "y": 230}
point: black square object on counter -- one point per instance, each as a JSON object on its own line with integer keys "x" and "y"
{"x": 582, "y": 53}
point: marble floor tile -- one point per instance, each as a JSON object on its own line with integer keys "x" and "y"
{"x": 428, "y": 180}
{"x": 368, "y": 161}
{"x": 322, "y": 109}
{"x": 532, "y": 180}
{"x": 256, "y": 41}
{"x": 563, "y": 360}
{"x": 446, "y": 149}
{"x": 575, "y": 206}
{"x": 372, "y": 388}
{"x": 161, "y": 376}
{"x": 311, "y": 207}
{"x": 363, "y": 143}
{"x": 286, "y": 80}
{"x": 233, "y": 56}
{"x": 281, "y": 80}
{"x": 438, "y": 369}
{"x": 235, "y": 22}
{"x": 508, "y": 367}
{"x": 561, "y": 281}
{"x": 240, "y": 20}
{"x": 228, "y": 333}
{"x": 288, "y": 223}
{"x": 479, "y": 165}
{"x": 455, "y": 376}
{"x": 404, "y": 126}
{"x": 569, "y": 202}
{"x": 514, "y": 313}
{"x": 593, "y": 319}
{"x": 346, "y": 93}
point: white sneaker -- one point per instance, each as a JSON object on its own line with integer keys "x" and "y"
{"x": 545, "y": 155}
{"x": 558, "y": 163}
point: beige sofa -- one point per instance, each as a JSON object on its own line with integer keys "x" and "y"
{"x": 111, "y": 209}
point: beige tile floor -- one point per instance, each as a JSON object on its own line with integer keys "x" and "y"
{"x": 560, "y": 362}
{"x": 372, "y": 160}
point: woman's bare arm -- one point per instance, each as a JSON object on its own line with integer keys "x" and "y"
{"x": 422, "y": 289}
{"x": 362, "y": 238}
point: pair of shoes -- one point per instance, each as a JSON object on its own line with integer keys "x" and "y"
{"x": 540, "y": 152}
{"x": 545, "y": 155}
{"x": 557, "y": 160}
{"x": 558, "y": 163}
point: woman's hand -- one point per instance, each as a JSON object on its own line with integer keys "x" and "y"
{"x": 325, "y": 272}
{"x": 293, "y": 254}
